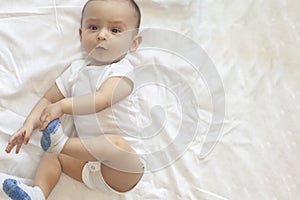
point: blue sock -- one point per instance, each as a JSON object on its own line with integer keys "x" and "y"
{"x": 50, "y": 129}
{"x": 11, "y": 188}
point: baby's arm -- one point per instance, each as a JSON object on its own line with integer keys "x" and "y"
{"x": 111, "y": 91}
{"x": 51, "y": 96}
{"x": 32, "y": 122}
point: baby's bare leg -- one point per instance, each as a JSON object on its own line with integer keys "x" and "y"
{"x": 119, "y": 180}
{"x": 50, "y": 168}
{"x": 121, "y": 166}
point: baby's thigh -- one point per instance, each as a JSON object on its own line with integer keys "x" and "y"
{"x": 71, "y": 166}
{"x": 119, "y": 180}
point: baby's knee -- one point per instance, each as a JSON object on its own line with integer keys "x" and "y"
{"x": 50, "y": 156}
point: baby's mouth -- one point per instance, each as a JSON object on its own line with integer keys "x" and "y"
{"x": 101, "y": 47}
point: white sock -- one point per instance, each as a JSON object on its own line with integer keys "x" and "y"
{"x": 17, "y": 190}
{"x": 58, "y": 141}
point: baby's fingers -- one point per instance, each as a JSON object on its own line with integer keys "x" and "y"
{"x": 17, "y": 139}
{"x": 44, "y": 125}
{"x": 18, "y": 148}
{"x": 26, "y": 135}
{"x": 9, "y": 147}
{"x": 45, "y": 120}
{"x": 13, "y": 141}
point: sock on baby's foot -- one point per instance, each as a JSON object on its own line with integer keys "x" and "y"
{"x": 19, "y": 191}
{"x": 53, "y": 138}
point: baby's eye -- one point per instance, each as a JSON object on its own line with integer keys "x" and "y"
{"x": 115, "y": 30}
{"x": 93, "y": 28}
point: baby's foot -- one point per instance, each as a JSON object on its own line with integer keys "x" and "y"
{"x": 51, "y": 128}
{"x": 19, "y": 191}
{"x": 53, "y": 138}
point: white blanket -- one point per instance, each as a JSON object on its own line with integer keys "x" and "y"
{"x": 248, "y": 152}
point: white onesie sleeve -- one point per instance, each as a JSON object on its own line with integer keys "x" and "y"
{"x": 122, "y": 68}
{"x": 67, "y": 79}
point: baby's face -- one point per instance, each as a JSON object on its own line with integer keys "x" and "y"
{"x": 108, "y": 31}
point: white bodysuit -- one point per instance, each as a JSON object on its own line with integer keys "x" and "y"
{"x": 80, "y": 79}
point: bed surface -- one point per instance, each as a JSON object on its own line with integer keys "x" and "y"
{"x": 253, "y": 152}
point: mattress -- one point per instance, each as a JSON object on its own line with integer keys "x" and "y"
{"x": 222, "y": 76}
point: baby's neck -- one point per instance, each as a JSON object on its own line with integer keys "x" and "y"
{"x": 99, "y": 63}
{"x": 96, "y": 63}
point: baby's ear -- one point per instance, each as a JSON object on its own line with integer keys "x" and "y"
{"x": 136, "y": 42}
{"x": 80, "y": 34}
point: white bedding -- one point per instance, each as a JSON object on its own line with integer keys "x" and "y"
{"x": 254, "y": 46}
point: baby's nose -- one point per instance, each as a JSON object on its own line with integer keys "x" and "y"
{"x": 103, "y": 34}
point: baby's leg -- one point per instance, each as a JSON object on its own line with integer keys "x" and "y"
{"x": 73, "y": 167}
{"x": 121, "y": 166}
{"x": 119, "y": 180}
{"x": 50, "y": 168}
{"x": 47, "y": 175}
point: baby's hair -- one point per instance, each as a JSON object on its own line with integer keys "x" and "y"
{"x": 131, "y": 2}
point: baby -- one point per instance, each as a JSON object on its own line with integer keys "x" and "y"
{"x": 102, "y": 159}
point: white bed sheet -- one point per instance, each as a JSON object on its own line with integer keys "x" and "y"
{"x": 254, "y": 46}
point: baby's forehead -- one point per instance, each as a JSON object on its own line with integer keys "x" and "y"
{"x": 126, "y": 5}
{"x": 119, "y": 3}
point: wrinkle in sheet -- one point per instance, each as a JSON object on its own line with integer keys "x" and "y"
{"x": 56, "y": 17}
{"x": 255, "y": 45}
{"x": 9, "y": 71}
{"x": 14, "y": 14}
{"x": 15, "y": 68}
{"x": 211, "y": 194}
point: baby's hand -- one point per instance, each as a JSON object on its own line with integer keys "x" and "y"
{"x": 50, "y": 113}
{"x": 22, "y": 136}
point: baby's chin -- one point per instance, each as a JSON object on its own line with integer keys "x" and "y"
{"x": 97, "y": 62}
{"x": 104, "y": 61}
